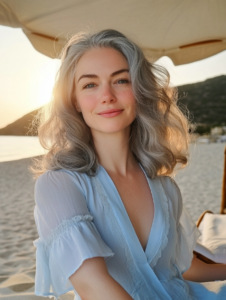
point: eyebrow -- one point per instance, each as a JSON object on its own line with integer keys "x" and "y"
{"x": 95, "y": 76}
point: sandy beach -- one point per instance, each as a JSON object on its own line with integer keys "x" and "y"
{"x": 201, "y": 181}
{"x": 200, "y": 184}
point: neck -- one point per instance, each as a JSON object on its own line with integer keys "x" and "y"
{"x": 114, "y": 153}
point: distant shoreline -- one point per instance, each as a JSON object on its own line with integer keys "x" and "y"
{"x": 19, "y": 147}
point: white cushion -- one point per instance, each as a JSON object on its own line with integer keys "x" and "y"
{"x": 212, "y": 242}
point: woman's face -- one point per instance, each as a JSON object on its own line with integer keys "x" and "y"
{"x": 103, "y": 90}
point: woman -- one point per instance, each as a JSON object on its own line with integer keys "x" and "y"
{"x": 110, "y": 221}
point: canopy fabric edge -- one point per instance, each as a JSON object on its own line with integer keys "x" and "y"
{"x": 52, "y": 48}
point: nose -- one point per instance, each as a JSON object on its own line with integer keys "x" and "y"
{"x": 107, "y": 95}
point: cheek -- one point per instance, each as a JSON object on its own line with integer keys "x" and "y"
{"x": 128, "y": 98}
{"x": 87, "y": 104}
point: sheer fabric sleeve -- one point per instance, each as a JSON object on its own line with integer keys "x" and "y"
{"x": 187, "y": 234}
{"x": 67, "y": 234}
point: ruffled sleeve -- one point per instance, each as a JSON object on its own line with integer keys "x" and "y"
{"x": 67, "y": 234}
{"x": 187, "y": 235}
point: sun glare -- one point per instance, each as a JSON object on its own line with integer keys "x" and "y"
{"x": 43, "y": 82}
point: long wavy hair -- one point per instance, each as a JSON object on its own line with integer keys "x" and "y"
{"x": 159, "y": 134}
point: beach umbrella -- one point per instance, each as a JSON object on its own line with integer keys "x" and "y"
{"x": 185, "y": 31}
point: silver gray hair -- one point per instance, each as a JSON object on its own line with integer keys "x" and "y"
{"x": 159, "y": 134}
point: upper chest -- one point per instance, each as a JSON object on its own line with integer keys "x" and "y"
{"x": 137, "y": 200}
{"x": 117, "y": 224}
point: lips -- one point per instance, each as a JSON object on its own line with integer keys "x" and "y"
{"x": 109, "y": 111}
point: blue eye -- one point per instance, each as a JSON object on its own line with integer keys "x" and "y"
{"x": 89, "y": 86}
{"x": 123, "y": 81}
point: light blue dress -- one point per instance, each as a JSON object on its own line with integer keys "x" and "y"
{"x": 80, "y": 217}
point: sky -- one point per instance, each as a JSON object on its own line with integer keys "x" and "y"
{"x": 27, "y": 77}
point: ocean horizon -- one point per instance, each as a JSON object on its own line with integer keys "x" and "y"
{"x": 19, "y": 147}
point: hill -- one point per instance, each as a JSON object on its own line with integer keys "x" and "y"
{"x": 206, "y": 102}
{"x": 20, "y": 126}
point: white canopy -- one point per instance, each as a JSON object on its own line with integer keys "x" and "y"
{"x": 186, "y": 31}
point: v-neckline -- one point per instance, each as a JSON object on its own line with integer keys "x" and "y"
{"x": 126, "y": 213}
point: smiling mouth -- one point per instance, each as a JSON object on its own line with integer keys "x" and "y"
{"x": 111, "y": 112}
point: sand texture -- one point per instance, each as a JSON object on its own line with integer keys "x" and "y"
{"x": 200, "y": 184}
{"x": 201, "y": 181}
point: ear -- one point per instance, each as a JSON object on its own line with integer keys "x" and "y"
{"x": 77, "y": 107}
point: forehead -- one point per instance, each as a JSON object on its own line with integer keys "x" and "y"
{"x": 99, "y": 60}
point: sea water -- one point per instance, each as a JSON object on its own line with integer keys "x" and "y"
{"x": 18, "y": 147}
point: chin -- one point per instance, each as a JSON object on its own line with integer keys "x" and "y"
{"x": 110, "y": 129}
{"x": 110, "y": 126}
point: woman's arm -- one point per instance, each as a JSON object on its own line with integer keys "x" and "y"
{"x": 92, "y": 281}
{"x": 202, "y": 272}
